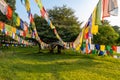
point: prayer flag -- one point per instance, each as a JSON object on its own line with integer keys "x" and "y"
{"x": 21, "y": 24}
{"x": 18, "y": 21}
{"x": 113, "y": 7}
{"x": 27, "y": 5}
{"x": 3, "y": 7}
{"x": 43, "y": 12}
{"x": 9, "y": 13}
{"x": 2, "y": 25}
{"x": 94, "y": 28}
{"x": 102, "y": 47}
{"x": 98, "y": 14}
{"x": 118, "y": 49}
{"x": 105, "y": 8}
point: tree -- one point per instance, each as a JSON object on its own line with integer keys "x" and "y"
{"x": 44, "y": 31}
{"x": 106, "y": 35}
{"x": 64, "y": 20}
{"x": 117, "y": 29}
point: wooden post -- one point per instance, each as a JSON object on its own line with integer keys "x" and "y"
{"x": 59, "y": 49}
{"x": 39, "y": 47}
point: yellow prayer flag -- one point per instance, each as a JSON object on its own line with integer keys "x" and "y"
{"x": 40, "y": 4}
{"x": 51, "y": 25}
{"x": 36, "y": 1}
{"x": 94, "y": 28}
{"x": 27, "y": 5}
{"x": 102, "y": 47}
{"x": 18, "y": 21}
{"x": 10, "y": 34}
{"x": 80, "y": 40}
{"x": 13, "y": 30}
{"x": 86, "y": 30}
{"x": 78, "y": 47}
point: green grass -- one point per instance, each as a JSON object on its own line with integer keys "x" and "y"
{"x": 28, "y": 64}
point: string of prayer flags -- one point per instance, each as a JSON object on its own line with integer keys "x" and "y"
{"x": 12, "y": 31}
{"x": 10, "y": 14}
{"x": 32, "y": 24}
{"x": 44, "y": 14}
{"x": 8, "y": 29}
{"x": 104, "y": 8}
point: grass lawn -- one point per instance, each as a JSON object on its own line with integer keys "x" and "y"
{"x": 28, "y": 64}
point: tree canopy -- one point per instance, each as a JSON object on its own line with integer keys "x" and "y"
{"x": 106, "y": 35}
{"x": 63, "y": 19}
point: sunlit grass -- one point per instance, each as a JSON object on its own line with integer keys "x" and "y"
{"x": 28, "y": 64}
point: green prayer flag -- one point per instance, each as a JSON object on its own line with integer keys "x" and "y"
{"x": 7, "y": 27}
{"x": 98, "y": 14}
{"x": 111, "y": 51}
{"x": 93, "y": 51}
{"x": 108, "y": 48}
{"x": 14, "y": 18}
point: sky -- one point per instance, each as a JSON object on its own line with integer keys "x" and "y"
{"x": 82, "y": 8}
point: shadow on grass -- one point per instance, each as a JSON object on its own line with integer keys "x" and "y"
{"x": 46, "y": 56}
{"x": 54, "y": 67}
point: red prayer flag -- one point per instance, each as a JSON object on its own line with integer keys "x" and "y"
{"x": 43, "y": 12}
{"x": 2, "y": 25}
{"x": 31, "y": 18}
{"x": 105, "y": 8}
{"x": 9, "y": 13}
{"x": 114, "y": 48}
